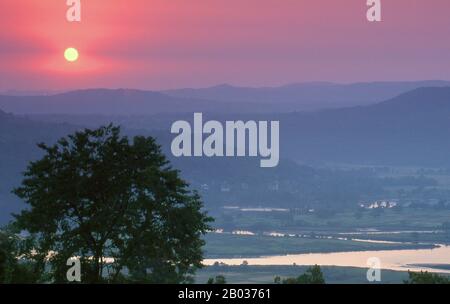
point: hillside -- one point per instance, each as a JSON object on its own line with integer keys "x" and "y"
{"x": 219, "y": 99}
{"x": 410, "y": 129}
{"x": 308, "y": 96}
{"x": 116, "y": 102}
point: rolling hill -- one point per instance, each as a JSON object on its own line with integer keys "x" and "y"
{"x": 219, "y": 99}
{"x": 307, "y": 96}
{"x": 410, "y": 129}
{"x": 115, "y": 102}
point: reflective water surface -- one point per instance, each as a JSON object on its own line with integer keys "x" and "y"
{"x": 401, "y": 260}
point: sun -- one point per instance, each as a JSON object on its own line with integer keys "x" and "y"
{"x": 71, "y": 54}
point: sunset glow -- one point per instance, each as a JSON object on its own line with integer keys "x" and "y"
{"x": 161, "y": 44}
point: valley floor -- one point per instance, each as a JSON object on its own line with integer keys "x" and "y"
{"x": 266, "y": 274}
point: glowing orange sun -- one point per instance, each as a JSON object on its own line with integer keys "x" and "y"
{"x": 71, "y": 54}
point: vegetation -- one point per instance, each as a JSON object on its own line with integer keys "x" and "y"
{"x": 426, "y": 278}
{"x": 115, "y": 204}
{"x": 12, "y": 269}
{"x": 313, "y": 275}
{"x": 219, "y": 279}
{"x": 238, "y": 246}
{"x": 256, "y": 274}
{"x": 330, "y": 274}
{"x": 342, "y": 221}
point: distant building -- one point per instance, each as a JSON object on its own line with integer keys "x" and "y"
{"x": 382, "y": 204}
{"x": 274, "y": 234}
{"x": 242, "y": 232}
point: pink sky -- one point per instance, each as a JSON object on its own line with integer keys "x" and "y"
{"x": 156, "y": 44}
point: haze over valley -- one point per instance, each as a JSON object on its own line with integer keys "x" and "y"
{"x": 354, "y": 158}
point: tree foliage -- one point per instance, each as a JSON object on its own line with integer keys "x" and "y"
{"x": 426, "y": 278}
{"x": 12, "y": 268}
{"x": 219, "y": 279}
{"x": 313, "y": 275}
{"x": 114, "y": 203}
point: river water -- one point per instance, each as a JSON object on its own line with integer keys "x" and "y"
{"x": 400, "y": 260}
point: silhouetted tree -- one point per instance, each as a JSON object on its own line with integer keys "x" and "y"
{"x": 4, "y": 257}
{"x": 313, "y": 275}
{"x": 426, "y": 278}
{"x": 114, "y": 203}
{"x": 220, "y": 279}
{"x": 12, "y": 268}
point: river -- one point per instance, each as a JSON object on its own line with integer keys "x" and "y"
{"x": 400, "y": 260}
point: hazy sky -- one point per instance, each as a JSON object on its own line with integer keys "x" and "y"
{"x": 156, "y": 44}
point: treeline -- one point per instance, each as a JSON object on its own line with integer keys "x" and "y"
{"x": 314, "y": 275}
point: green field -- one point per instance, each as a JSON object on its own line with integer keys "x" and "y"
{"x": 406, "y": 219}
{"x": 229, "y": 246}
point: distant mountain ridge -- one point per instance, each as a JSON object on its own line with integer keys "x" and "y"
{"x": 89, "y": 101}
{"x": 119, "y": 102}
{"x": 218, "y": 99}
{"x": 312, "y": 95}
{"x": 423, "y": 98}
